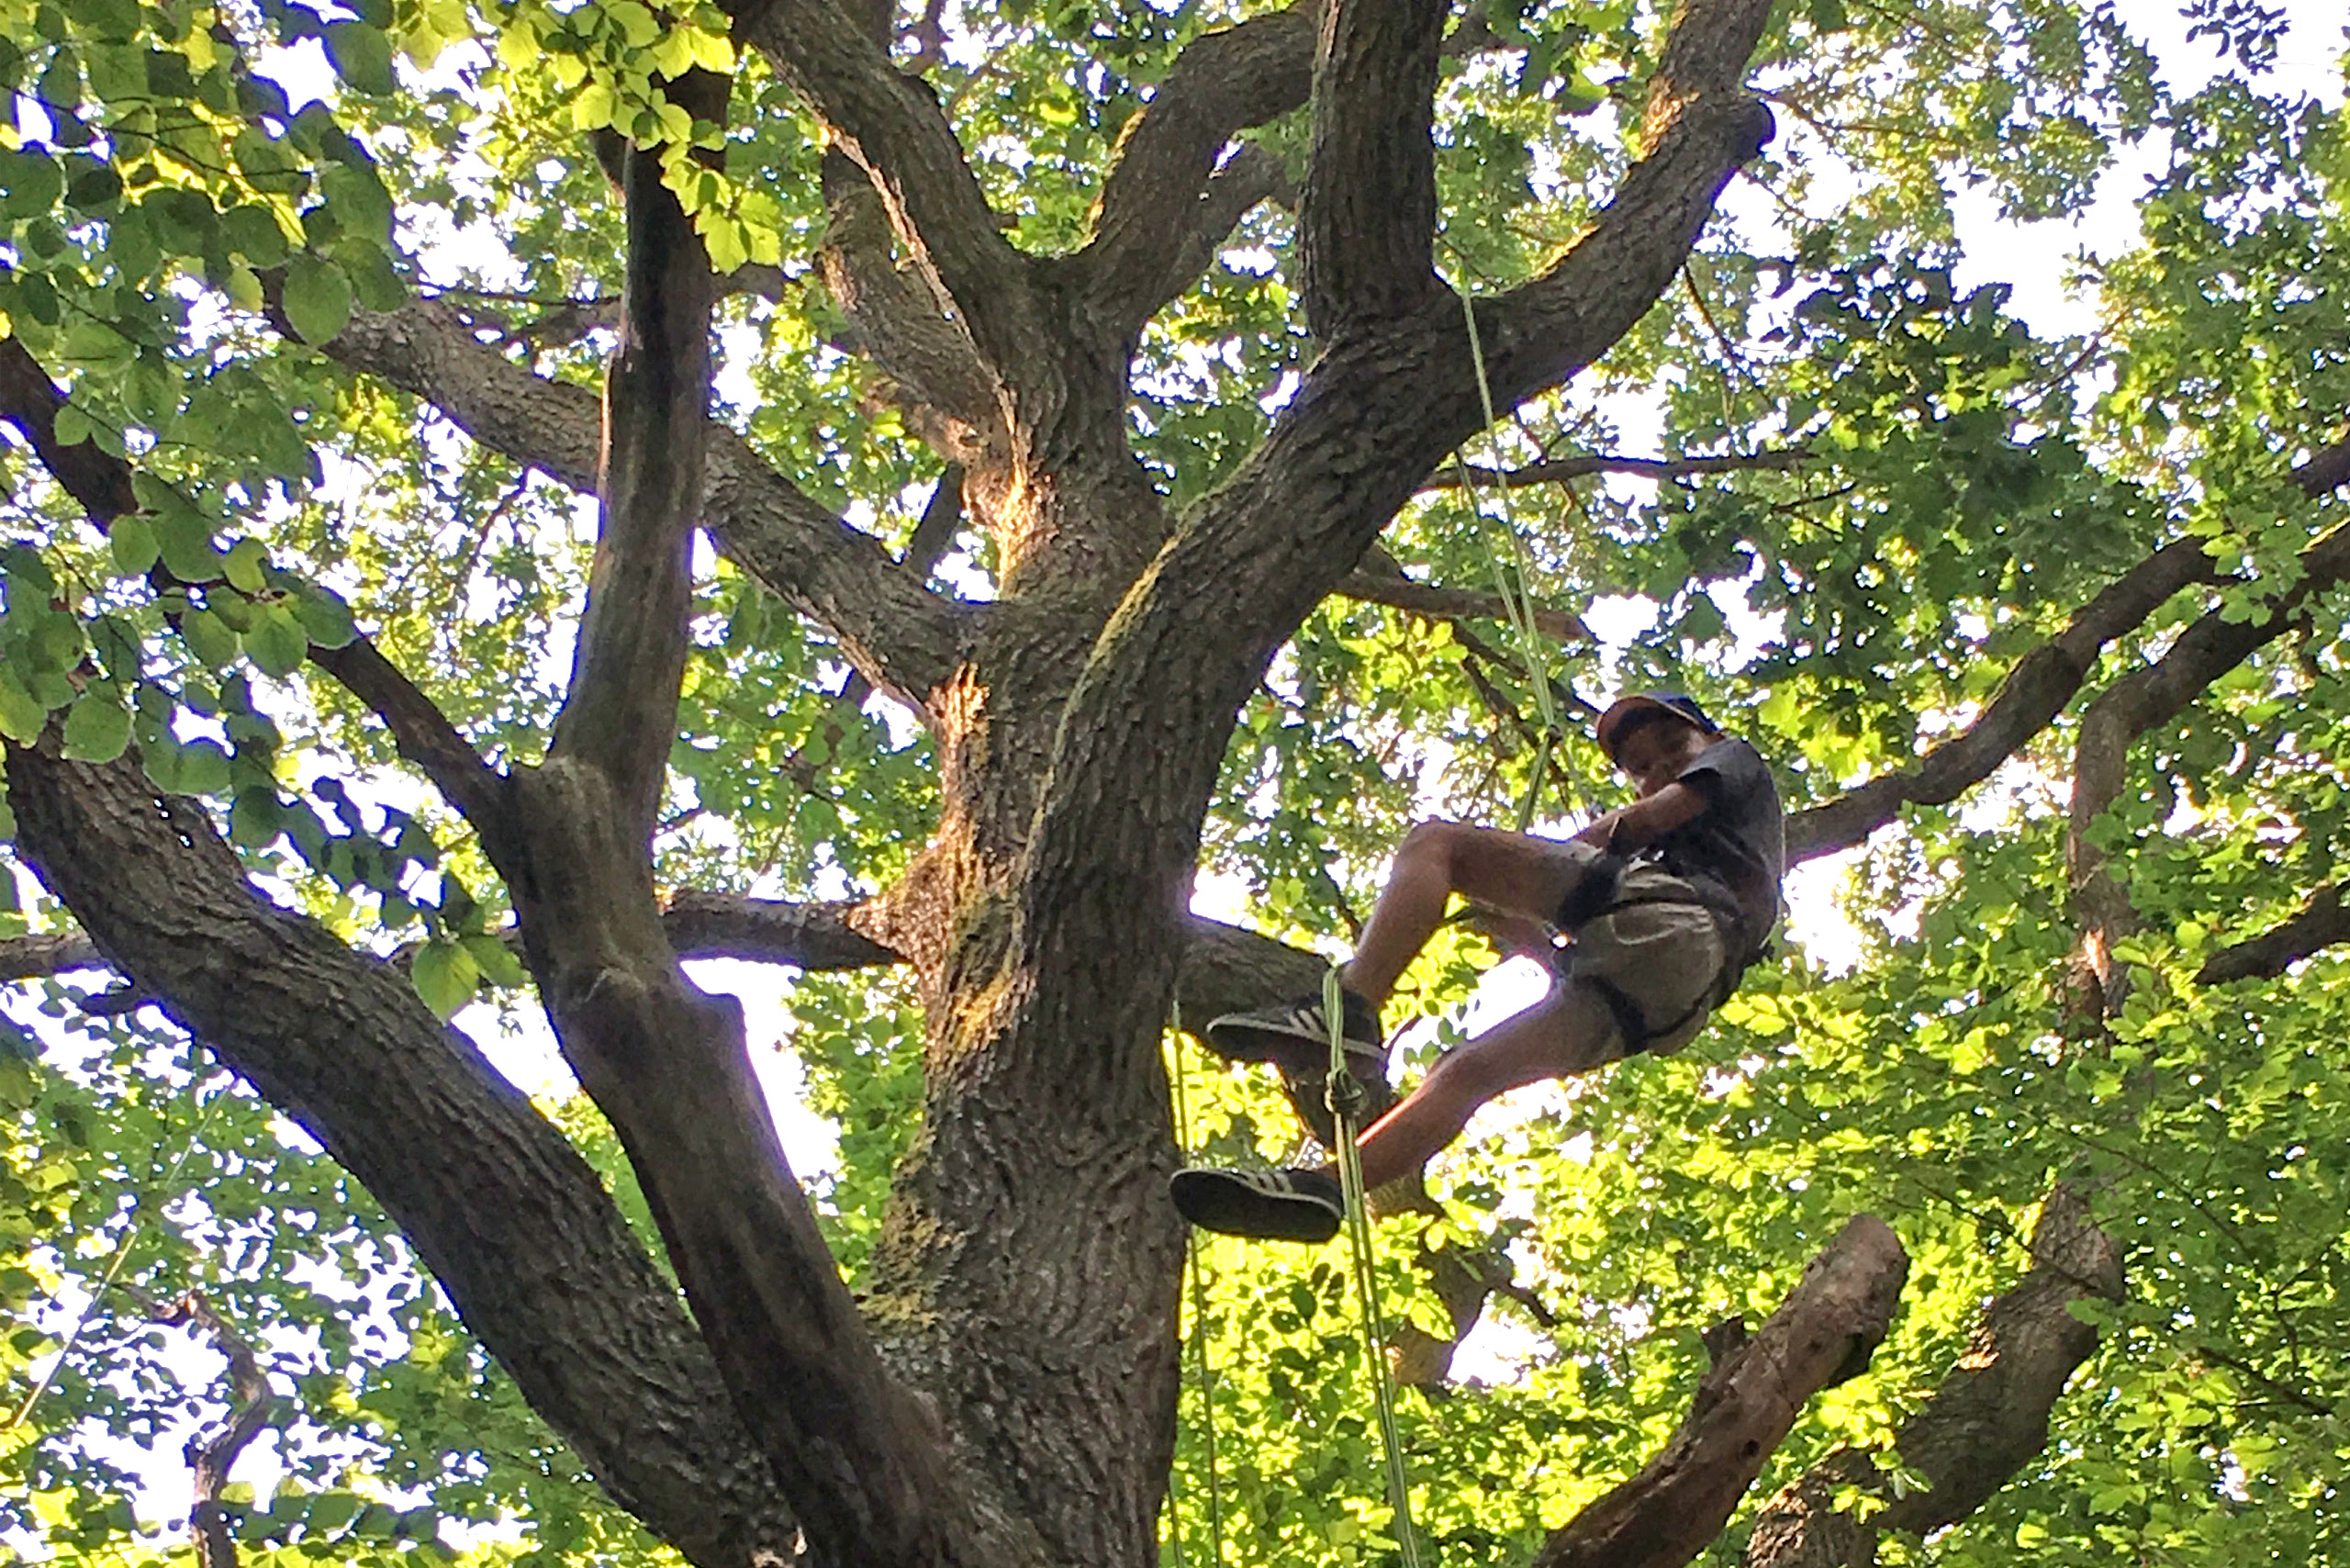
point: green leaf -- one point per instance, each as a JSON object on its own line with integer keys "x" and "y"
{"x": 243, "y": 564}
{"x": 211, "y": 639}
{"x": 22, "y": 717}
{"x": 446, "y": 976}
{"x": 497, "y": 960}
{"x": 187, "y": 549}
{"x": 317, "y": 298}
{"x": 325, "y": 617}
{"x": 361, "y": 56}
{"x": 277, "y": 643}
{"x": 97, "y": 727}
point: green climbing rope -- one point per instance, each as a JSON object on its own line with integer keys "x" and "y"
{"x": 1199, "y": 1292}
{"x": 1516, "y": 596}
{"x": 1344, "y": 1095}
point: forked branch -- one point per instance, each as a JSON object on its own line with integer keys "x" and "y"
{"x": 1701, "y": 126}
{"x": 1984, "y": 1422}
{"x": 891, "y": 127}
{"x": 1223, "y": 82}
{"x": 512, "y": 1222}
{"x": 1745, "y": 1406}
{"x": 620, "y": 712}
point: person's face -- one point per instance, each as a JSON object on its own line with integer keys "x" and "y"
{"x": 1656, "y": 751}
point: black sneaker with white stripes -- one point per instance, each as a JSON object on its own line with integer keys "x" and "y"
{"x": 1295, "y": 1035}
{"x": 1264, "y": 1205}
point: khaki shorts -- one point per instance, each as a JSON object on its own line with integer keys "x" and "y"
{"x": 1663, "y": 953}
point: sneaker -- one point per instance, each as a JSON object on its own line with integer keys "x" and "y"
{"x": 1295, "y": 1035}
{"x": 1265, "y": 1206}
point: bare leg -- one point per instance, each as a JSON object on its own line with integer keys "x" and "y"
{"x": 1569, "y": 1031}
{"x": 1511, "y": 871}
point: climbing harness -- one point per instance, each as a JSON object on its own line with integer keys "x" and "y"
{"x": 1198, "y": 1311}
{"x": 1344, "y": 1095}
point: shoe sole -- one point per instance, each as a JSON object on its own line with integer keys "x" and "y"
{"x": 1215, "y": 1201}
{"x": 1259, "y": 1042}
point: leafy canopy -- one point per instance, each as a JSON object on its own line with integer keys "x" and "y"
{"x": 194, "y": 197}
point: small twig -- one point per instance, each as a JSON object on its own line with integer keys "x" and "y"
{"x": 250, "y": 1407}
{"x": 2285, "y": 1391}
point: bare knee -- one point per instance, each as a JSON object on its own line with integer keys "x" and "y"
{"x": 1433, "y": 844}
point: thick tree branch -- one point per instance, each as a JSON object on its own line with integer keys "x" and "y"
{"x": 98, "y": 481}
{"x": 814, "y": 936}
{"x": 2035, "y": 691}
{"x": 1372, "y": 415}
{"x": 862, "y": 1467}
{"x": 2321, "y": 922}
{"x": 101, "y": 483}
{"x": 508, "y": 1218}
{"x": 2153, "y": 695}
{"x": 1367, "y": 224}
{"x": 621, "y": 712}
{"x": 1152, "y": 203}
{"x": 897, "y": 632}
{"x": 1701, "y": 126}
{"x": 1984, "y": 1422}
{"x": 1250, "y": 175}
{"x": 934, "y": 531}
{"x": 891, "y": 127}
{"x": 2327, "y": 468}
{"x": 49, "y": 953}
{"x": 899, "y": 324}
{"x": 1745, "y": 1406}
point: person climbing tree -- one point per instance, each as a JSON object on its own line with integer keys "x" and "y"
{"x": 1663, "y": 905}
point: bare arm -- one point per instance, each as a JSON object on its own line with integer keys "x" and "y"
{"x": 1629, "y": 829}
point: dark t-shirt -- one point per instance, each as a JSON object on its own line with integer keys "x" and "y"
{"x": 1737, "y": 844}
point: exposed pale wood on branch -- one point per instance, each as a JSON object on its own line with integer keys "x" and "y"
{"x": 1744, "y": 1408}
{"x": 1981, "y": 1425}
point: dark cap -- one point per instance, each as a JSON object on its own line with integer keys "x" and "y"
{"x": 1675, "y": 704}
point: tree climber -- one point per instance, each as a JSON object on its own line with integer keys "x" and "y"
{"x": 1664, "y": 903}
